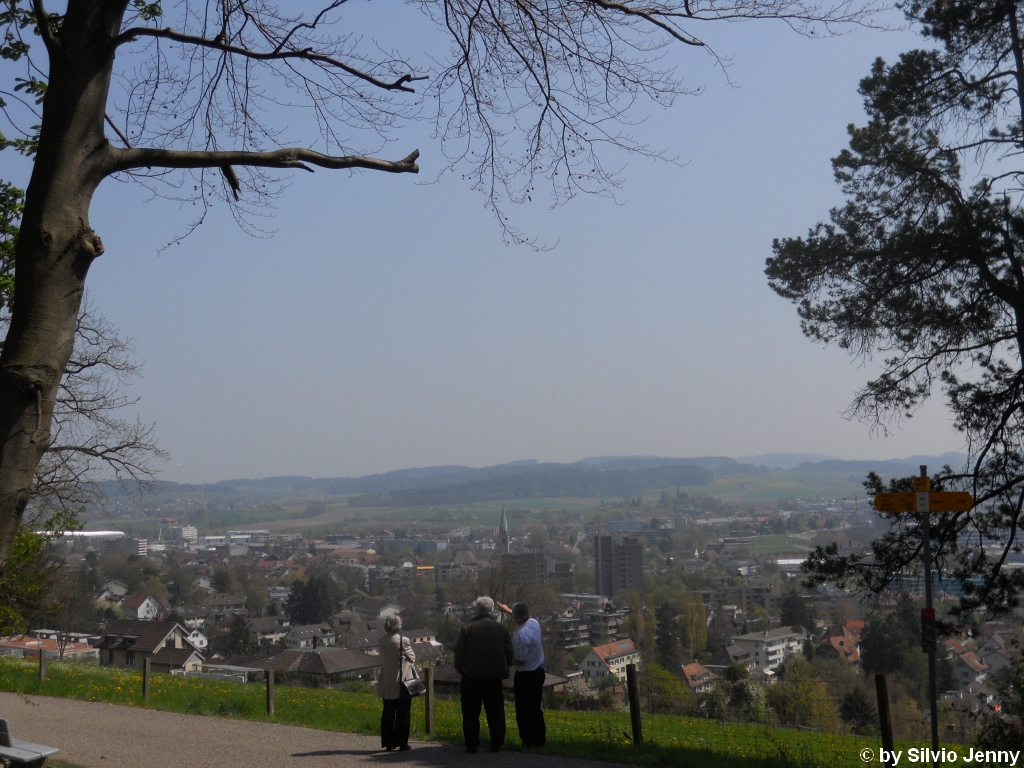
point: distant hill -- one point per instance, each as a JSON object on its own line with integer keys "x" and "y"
{"x": 593, "y": 477}
{"x": 784, "y": 460}
{"x": 888, "y": 468}
{"x": 575, "y": 481}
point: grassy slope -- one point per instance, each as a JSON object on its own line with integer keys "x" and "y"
{"x": 669, "y": 741}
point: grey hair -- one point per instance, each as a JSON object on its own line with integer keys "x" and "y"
{"x": 483, "y": 606}
{"x": 392, "y": 623}
{"x": 521, "y": 611}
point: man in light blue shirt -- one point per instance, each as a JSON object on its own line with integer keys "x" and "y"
{"x": 529, "y": 680}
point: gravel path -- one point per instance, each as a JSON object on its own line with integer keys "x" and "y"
{"x": 98, "y": 735}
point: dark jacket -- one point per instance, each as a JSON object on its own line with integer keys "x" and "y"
{"x": 483, "y": 650}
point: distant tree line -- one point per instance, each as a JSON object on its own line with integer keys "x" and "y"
{"x": 586, "y": 483}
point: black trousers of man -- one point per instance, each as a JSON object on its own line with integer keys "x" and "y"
{"x": 528, "y": 687}
{"x": 488, "y": 693}
{"x": 394, "y": 720}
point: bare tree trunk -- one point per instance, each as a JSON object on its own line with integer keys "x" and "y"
{"x": 55, "y": 248}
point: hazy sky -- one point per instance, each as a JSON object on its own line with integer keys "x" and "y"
{"x": 386, "y": 325}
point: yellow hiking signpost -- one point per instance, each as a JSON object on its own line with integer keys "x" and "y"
{"x": 938, "y": 501}
{"x": 924, "y": 501}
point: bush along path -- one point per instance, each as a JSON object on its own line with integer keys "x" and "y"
{"x": 668, "y": 740}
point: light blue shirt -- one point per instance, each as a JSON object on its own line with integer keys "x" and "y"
{"x": 528, "y": 647}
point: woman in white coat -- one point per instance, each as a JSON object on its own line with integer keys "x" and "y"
{"x": 394, "y": 719}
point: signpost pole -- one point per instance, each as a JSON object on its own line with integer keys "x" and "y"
{"x": 928, "y": 633}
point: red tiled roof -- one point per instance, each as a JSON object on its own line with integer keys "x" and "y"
{"x": 697, "y": 675}
{"x": 854, "y": 627}
{"x": 613, "y": 650}
{"x": 844, "y": 646}
{"x": 135, "y": 600}
{"x": 972, "y": 662}
{"x": 955, "y": 646}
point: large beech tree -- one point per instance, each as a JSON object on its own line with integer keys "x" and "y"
{"x": 527, "y": 91}
{"x": 924, "y": 267}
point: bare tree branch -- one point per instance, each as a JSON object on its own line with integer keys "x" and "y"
{"x": 295, "y": 157}
{"x": 307, "y": 54}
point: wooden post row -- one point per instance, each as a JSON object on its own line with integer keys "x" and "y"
{"x": 269, "y": 675}
{"x": 884, "y": 721}
{"x": 428, "y": 701}
{"x": 42, "y": 666}
{"x": 633, "y": 691}
{"x": 147, "y": 668}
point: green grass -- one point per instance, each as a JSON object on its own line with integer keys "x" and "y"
{"x": 767, "y": 489}
{"x": 669, "y": 741}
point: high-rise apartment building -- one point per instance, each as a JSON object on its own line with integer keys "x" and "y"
{"x": 525, "y": 567}
{"x": 618, "y": 564}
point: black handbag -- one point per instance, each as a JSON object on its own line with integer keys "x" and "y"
{"x": 410, "y": 676}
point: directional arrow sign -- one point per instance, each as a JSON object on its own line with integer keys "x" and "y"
{"x": 950, "y": 501}
{"x": 896, "y": 502}
{"x": 938, "y": 501}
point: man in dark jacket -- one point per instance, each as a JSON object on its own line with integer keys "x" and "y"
{"x": 483, "y": 654}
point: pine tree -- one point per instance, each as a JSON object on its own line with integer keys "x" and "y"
{"x": 921, "y": 269}
{"x": 667, "y": 638}
{"x": 240, "y": 641}
{"x": 858, "y": 712}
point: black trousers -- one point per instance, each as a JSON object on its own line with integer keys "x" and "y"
{"x": 528, "y": 687}
{"x": 488, "y": 693}
{"x": 394, "y": 720}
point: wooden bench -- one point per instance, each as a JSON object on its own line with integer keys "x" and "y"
{"x": 18, "y": 752}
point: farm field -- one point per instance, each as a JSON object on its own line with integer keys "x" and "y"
{"x": 782, "y": 543}
{"x": 767, "y": 489}
{"x": 669, "y": 741}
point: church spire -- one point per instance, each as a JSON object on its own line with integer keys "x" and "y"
{"x": 503, "y": 540}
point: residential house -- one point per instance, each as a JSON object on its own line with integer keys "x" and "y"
{"x": 142, "y": 606}
{"x": 421, "y": 636}
{"x": 837, "y": 643}
{"x": 307, "y": 636}
{"x": 224, "y": 605}
{"x": 969, "y": 668}
{"x": 698, "y": 678}
{"x": 742, "y": 655}
{"x": 770, "y": 647}
{"x": 198, "y": 640}
{"x": 31, "y": 647}
{"x": 271, "y": 629}
{"x": 279, "y": 594}
{"x": 127, "y": 642}
{"x": 605, "y": 626}
{"x": 320, "y": 667}
{"x": 426, "y": 653}
{"x": 113, "y": 591}
{"x": 570, "y": 632}
{"x": 610, "y": 659}
{"x": 365, "y": 642}
{"x": 195, "y": 616}
{"x": 376, "y": 607}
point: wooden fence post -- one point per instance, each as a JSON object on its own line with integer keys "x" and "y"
{"x": 269, "y": 675}
{"x": 428, "y": 701}
{"x": 884, "y": 721}
{"x": 147, "y": 668}
{"x": 633, "y": 691}
{"x": 42, "y": 666}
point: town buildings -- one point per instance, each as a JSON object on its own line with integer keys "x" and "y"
{"x": 767, "y": 649}
{"x": 618, "y": 565}
{"x": 610, "y": 659}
